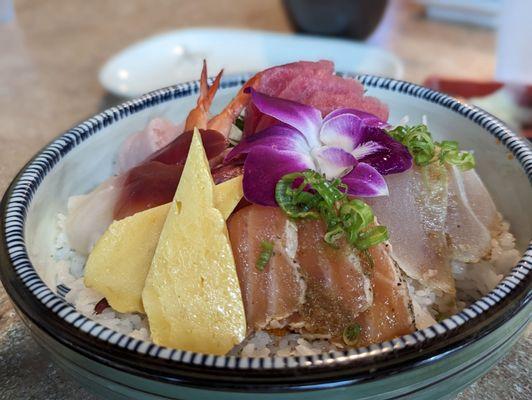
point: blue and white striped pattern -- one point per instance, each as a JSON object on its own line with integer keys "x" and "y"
{"x": 37, "y": 169}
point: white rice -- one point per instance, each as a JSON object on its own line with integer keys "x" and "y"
{"x": 67, "y": 269}
{"x": 472, "y": 281}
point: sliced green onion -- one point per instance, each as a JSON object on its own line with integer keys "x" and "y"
{"x": 332, "y": 236}
{"x": 424, "y": 150}
{"x": 450, "y": 154}
{"x": 351, "y": 334}
{"x": 265, "y": 255}
{"x": 308, "y": 194}
{"x": 371, "y": 236}
{"x": 296, "y": 203}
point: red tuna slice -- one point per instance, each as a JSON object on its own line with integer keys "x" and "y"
{"x": 316, "y": 87}
{"x": 274, "y": 80}
{"x": 176, "y": 151}
{"x": 273, "y": 295}
{"x": 149, "y": 185}
{"x": 337, "y": 281}
{"x": 223, "y": 173}
{"x": 390, "y": 315}
{"x": 326, "y": 93}
{"x": 155, "y": 181}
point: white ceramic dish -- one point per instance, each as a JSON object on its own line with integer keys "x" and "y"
{"x": 433, "y": 363}
{"x": 176, "y": 56}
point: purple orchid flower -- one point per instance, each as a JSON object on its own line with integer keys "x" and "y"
{"x": 347, "y": 144}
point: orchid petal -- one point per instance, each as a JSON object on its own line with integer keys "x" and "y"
{"x": 345, "y": 127}
{"x": 333, "y": 161}
{"x": 365, "y": 181}
{"x": 264, "y": 167}
{"x": 277, "y": 137}
{"x": 305, "y": 119}
{"x": 366, "y": 118}
{"x": 383, "y": 152}
{"x": 366, "y": 149}
{"x": 343, "y": 131}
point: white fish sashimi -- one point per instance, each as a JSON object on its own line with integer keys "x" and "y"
{"x": 90, "y": 214}
{"x": 480, "y": 201}
{"x": 138, "y": 147}
{"x": 415, "y": 214}
{"x": 469, "y": 238}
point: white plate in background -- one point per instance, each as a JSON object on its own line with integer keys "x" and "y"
{"x": 176, "y": 56}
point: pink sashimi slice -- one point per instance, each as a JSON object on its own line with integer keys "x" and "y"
{"x": 274, "y": 80}
{"x": 90, "y": 214}
{"x": 138, "y": 147}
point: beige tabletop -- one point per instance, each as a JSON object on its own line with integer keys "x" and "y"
{"x": 49, "y": 61}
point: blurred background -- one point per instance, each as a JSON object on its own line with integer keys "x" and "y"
{"x": 64, "y": 60}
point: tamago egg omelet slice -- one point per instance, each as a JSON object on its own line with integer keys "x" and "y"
{"x": 191, "y": 295}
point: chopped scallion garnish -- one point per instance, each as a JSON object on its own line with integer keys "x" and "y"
{"x": 418, "y": 140}
{"x": 351, "y": 334}
{"x": 308, "y": 194}
{"x": 265, "y": 255}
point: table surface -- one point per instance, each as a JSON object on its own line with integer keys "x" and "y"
{"x": 49, "y": 61}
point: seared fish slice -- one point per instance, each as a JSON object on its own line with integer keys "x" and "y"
{"x": 276, "y": 293}
{"x": 391, "y": 314}
{"x": 338, "y": 287}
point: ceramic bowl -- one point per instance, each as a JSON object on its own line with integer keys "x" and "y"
{"x": 436, "y": 362}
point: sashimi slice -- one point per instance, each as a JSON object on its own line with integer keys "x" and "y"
{"x": 149, "y": 185}
{"x": 225, "y": 172}
{"x": 274, "y": 294}
{"x": 90, "y": 214}
{"x": 390, "y": 314}
{"x": 176, "y": 151}
{"x": 415, "y": 215}
{"x": 469, "y": 238}
{"x": 480, "y": 200}
{"x": 139, "y": 146}
{"x": 314, "y": 84}
{"x": 338, "y": 289}
{"x": 275, "y": 80}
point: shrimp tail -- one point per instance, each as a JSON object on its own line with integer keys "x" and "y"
{"x": 199, "y": 116}
{"x": 223, "y": 121}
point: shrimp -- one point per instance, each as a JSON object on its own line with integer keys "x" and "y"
{"x": 223, "y": 121}
{"x": 199, "y": 116}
